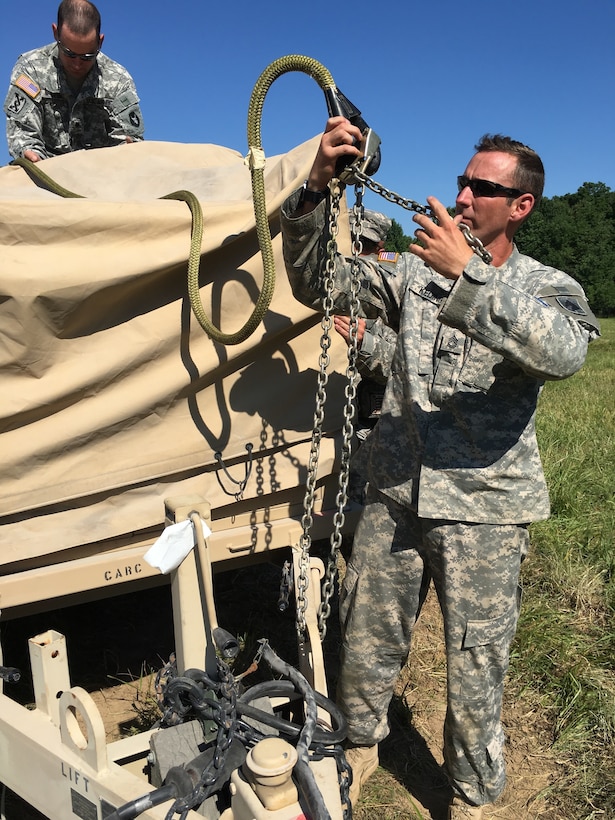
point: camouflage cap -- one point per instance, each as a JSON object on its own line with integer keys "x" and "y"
{"x": 374, "y": 225}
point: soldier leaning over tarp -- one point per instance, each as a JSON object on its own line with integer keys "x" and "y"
{"x": 67, "y": 96}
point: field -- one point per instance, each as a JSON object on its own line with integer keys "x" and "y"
{"x": 559, "y": 711}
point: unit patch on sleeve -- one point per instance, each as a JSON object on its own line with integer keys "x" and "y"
{"x": 564, "y": 299}
{"x": 17, "y": 105}
{"x": 571, "y": 304}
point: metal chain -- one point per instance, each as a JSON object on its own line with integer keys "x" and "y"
{"x": 344, "y": 773}
{"x": 195, "y": 693}
{"x": 410, "y": 205}
{"x": 188, "y": 693}
{"x": 328, "y": 585}
{"x": 305, "y": 541}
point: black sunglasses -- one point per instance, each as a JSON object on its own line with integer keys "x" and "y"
{"x": 87, "y": 58}
{"x": 483, "y": 187}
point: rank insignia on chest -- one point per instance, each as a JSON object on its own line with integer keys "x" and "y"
{"x": 388, "y": 256}
{"x": 28, "y": 85}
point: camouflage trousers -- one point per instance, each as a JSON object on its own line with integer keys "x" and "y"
{"x": 475, "y": 572}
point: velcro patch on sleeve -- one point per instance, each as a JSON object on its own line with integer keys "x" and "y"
{"x": 569, "y": 303}
{"x": 28, "y": 85}
{"x": 125, "y": 100}
{"x": 388, "y": 256}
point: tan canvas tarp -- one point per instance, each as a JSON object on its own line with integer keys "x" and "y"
{"x": 112, "y": 396}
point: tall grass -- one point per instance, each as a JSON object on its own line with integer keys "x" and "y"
{"x": 564, "y": 652}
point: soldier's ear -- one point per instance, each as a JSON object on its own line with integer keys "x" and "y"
{"x": 523, "y": 207}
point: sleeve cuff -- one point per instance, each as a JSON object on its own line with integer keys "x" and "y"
{"x": 476, "y": 271}
{"x": 367, "y": 344}
{"x": 462, "y": 298}
{"x": 291, "y": 204}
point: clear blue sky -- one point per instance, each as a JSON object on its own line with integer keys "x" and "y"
{"x": 429, "y": 78}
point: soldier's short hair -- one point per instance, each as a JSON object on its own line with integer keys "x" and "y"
{"x": 529, "y": 174}
{"x": 80, "y": 16}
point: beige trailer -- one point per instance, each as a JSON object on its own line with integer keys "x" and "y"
{"x": 120, "y": 416}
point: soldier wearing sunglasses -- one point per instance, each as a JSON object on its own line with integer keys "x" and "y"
{"x": 68, "y": 95}
{"x": 453, "y": 468}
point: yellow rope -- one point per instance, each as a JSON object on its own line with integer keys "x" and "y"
{"x": 256, "y": 161}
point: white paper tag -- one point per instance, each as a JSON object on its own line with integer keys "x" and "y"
{"x": 173, "y": 546}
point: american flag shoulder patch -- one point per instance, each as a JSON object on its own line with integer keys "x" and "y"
{"x": 29, "y": 86}
{"x": 388, "y": 256}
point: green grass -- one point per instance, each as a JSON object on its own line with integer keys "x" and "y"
{"x": 565, "y": 646}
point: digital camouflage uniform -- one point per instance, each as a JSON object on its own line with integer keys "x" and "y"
{"x": 375, "y": 355}
{"x": 45, "y": 115}
{"x": 370, "y": 388}
{"x": 454, "y": 475}
{"x": 373, "y": 369}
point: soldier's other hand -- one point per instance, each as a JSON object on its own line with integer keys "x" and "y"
{"x": 442, "y": 245}
{"x": 342, "y": 325}
{"x": 31, "y": 155}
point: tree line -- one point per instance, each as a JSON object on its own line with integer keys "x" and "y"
{"x": 574, "y": 233}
